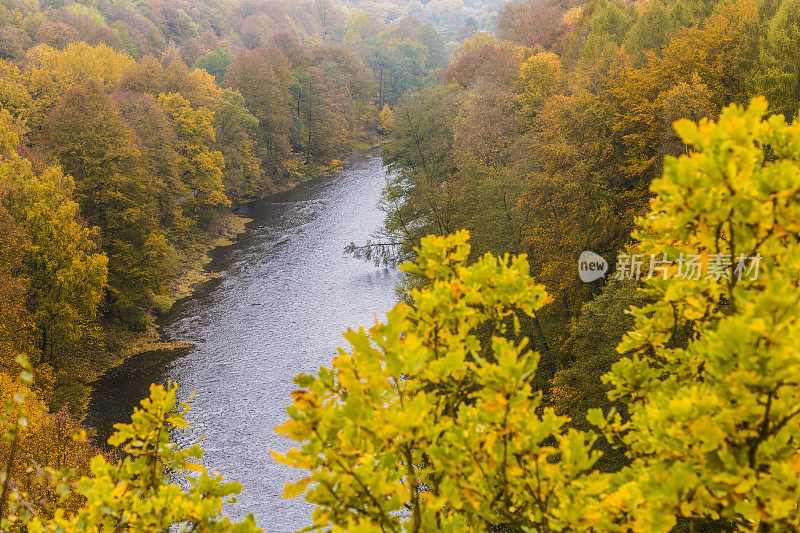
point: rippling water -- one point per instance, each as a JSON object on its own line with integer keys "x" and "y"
{"x": 285, "y": 294}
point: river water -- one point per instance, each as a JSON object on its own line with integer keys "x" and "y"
{"x": 285, "y": 293}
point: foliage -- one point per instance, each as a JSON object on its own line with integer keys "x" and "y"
{"x": 215, "y": 63}
{"x": 137, "y": 493}
{"x": 39, "y": 451}
{"x": 778, "y": 77}
{"x": 118, "y": 162}
{"x": 261, "y": 77}
{"x": 549, "y": 138}
{"x": 236, "y": 128}
{"x": 540, "y": 76}
{"x": 116, "y": 158}
{"x": 424, "y": 424}
{"x": 714, "y": 420}
{"x": 201, "y": 167}
{"x": 65, "y": 275}
{"x": 95, "y": 146}
{"x": 421, "y": 427}
{"x": 386, "y": 118}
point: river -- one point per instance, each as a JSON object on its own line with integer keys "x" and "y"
{"x": 284, "y": 295}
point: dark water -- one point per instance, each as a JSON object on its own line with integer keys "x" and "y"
{"x": 285, "y": 294}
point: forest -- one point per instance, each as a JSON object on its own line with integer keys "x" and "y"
{"x": 129, "y": 133}
{"x": 503, "y": 392}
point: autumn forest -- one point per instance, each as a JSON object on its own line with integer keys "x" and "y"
{"x": 594, "y": 204}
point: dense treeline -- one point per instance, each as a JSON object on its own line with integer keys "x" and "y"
{"x": 665, "y": 400}
{"x": 430, "y": 422}
{"x": 545, "y": 139}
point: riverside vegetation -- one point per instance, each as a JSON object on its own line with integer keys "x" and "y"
{"x": 127, "y": 134}
{"x": 503, "y": 393}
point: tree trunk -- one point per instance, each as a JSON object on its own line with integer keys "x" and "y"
{"x": 8, "y": 471}
{"x": 549, "y": 363}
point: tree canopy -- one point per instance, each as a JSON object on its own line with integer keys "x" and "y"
{"x": 429, "y": 421}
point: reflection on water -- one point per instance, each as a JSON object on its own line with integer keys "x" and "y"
{"x": 285, "y": 294}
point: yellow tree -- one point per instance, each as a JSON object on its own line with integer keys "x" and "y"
{"x": 715, "y": 419}
{"x": 201, "y": 165}
{"x": 65, "y": 272}
{"x": 51, "y": 73}
{"x": 540, "y": 76}
{"x": 137, "y": 493}
{"x": 116, "y": 193}
{"x": 421, "y": 426}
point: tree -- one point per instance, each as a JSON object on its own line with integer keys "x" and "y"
{"x": 66, "y": 275}
{"x": 540, "y": 77}
{"x": 714, "y": 418}
{"x": 653, "y": 27}
{"x": 137, "y": 493}
{"x": 94, "y": 145}
{"x": 14, "y": 94}
{"x": 499, "y": 63}
{"x": 16, "y": 324}
{"x": 414, "y": 29}
{"x": 420, "y": 426}
{"x": 215, "y": 63}
{"x": 39, "y": 451}
{"x": 386, "y": 117}
{"x": 778, "y": 76}
{"x": 201, "y": 166}
{"x": 403, "y": 62}
{"x": 159, "y": 145}
{"x": 324, "y": 113}
{"x": 531, "y": 23}
{"x": 53, "y": 73}
{"x": 150, "y": 77}
{"x": 592, "y": 348}
{"x": 236, "y": 127}
{"x": 418, "y": 200}
{"x": 13, "y": 43}
{"x": 723, "y": 52}
{"x": 483, "y": 128}
{"x": 424, "y": 423}
{"x": 261, "y": 76}
{"x": 693, "y": 101}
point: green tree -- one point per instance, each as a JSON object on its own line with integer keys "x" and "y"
{"x": 540, "y": 77}
{"x": 592, "y": 350}
{"x": 420, "y": 426}
{"x": 261, "y": 76}
{"x": 778, "y": 77}
{"x": 418, "y": 199}
{"x": 159, "y": 146}
{"x": 140, "y": 492}
{"x": 236, "y": 128}
{"x": 714, "y": 419}
{"x": 215, "y": 63}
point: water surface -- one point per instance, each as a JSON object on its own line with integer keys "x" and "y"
{"x": 285, "y": 294}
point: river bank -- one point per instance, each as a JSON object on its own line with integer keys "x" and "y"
{"x": 285, "y": 293}
{"x": 121, "y": 344}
